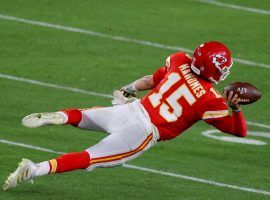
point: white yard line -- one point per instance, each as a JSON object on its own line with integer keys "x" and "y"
{"x": 77, "y": 90}
{"x": 259, "y": 125}
{"x": 50, "y": 85}
{"x": 29, "y": 146}
{"x": 93, "y": 33}
{"x": 237, "y": 7}
{"x": 118, "y": 38}
{"x": 154, "y": 171}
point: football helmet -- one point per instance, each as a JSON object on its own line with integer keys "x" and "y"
{"x": 212, "y": 61}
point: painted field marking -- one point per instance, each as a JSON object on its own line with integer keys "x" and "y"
{"x": 77, "y": 90}
{"x": 50, "y": 85}
{"x": 118, "y": 38}
{"x": 237, "y": 7}
{"x": 154, "y": 171}
{"x": 259, "y": 125}
{"x": 226, "y": 138}
{"x": 210, "y": 134}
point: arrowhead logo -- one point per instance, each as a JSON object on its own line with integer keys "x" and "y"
{"x": 218, "y": 60}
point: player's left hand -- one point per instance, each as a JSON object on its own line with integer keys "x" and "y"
{"x": 232, "y": 100}
{"x": 120, "y": 99}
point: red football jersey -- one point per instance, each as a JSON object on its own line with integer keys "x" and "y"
{"x": 180, "y": 98}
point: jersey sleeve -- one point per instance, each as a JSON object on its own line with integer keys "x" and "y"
{"x": 217, "y": 115}
{"x": 216, "y": 108}
{"x": 159, "y": 75}
{"x": 234, "y": 125}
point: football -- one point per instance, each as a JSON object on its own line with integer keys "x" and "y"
{"x": 246, "y": 92}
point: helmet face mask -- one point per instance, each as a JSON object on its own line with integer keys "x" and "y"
{"x": 212, "y": 61}
{"x": 225, "y": 73}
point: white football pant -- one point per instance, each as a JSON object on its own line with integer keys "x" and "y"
{"x": 130, "y": 133}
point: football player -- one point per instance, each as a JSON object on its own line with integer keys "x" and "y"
{"x": 181, "y": 93}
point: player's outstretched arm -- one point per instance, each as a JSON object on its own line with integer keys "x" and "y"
{"x": 142, "y": 84}
{"x": 234, "y": 124}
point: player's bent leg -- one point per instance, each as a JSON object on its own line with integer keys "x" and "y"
{"x": 104, "y": 119}
{"x": 95, "y": 118}
{"x": 84, "y": 119}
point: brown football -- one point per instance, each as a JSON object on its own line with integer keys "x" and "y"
{"x": 246, "y": 92}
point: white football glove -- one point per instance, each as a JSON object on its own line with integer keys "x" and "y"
{"x": 120, "y": 99}
{"x": 129, "y": 90}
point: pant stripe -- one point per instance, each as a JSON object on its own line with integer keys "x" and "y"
{"x": 122, "y": 155}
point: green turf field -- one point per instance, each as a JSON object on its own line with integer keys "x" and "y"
{"x": 101, "y": 63}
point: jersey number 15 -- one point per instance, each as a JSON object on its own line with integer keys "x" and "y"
{"x": 172, "y": 100}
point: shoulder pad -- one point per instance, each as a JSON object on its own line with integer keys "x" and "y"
{"x": 177, "y": 59}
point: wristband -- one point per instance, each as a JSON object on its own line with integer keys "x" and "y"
{"x": 236, "y": 110}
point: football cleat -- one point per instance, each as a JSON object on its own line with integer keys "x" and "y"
{"x": 22, "y": 173}
{"x": 41, "y": 119}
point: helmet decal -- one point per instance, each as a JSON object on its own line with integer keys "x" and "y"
{"x": 218, "y": 60}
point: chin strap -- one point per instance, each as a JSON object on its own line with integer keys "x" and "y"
{"x": 194, "y": 69}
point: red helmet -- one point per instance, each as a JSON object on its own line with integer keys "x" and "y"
{"x": 212, "y": 60}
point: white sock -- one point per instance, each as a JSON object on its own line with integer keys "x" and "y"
{"x": 64, "y": 115}
{"x": 41, "y": 169}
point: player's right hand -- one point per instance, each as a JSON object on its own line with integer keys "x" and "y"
{"x": 232, "y": 100}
